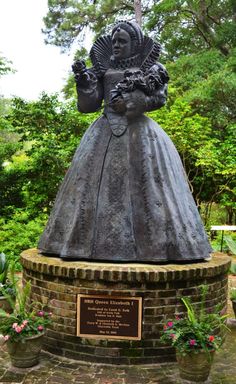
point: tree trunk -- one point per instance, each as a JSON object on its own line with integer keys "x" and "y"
{"x": 138, "y": 11}
{"x": 230, "y": 215}
{"x": 207, "y": 30}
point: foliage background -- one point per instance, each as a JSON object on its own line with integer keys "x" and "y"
{"x": 39, "y": 138}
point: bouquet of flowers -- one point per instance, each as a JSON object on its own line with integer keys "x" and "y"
{"x": 147, "y": 82}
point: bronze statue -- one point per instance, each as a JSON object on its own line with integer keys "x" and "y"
{"x": 125, "y": 196}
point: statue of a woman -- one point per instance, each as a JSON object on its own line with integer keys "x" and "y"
{"x": 125, "y": 196}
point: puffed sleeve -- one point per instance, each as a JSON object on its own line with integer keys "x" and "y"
{"x": 157, "y": 98}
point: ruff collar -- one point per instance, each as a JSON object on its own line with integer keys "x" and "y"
{"x": 129, "y": 62}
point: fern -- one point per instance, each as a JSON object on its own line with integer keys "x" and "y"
{"x": 231, "y": 244}
{"x": 190, "y": 310}
{"x": 22, "y": 296}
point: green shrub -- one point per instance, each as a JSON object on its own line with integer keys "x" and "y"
{"x": 20, "y": 232}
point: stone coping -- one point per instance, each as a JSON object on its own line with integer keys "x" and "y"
{"x": 31, "y": 259}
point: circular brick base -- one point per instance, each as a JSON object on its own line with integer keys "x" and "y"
{"x": 56, "y": 284}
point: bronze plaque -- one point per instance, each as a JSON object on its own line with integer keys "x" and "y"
{"x": 109, "y": 317}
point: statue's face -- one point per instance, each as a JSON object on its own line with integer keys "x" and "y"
{"x": 121, "y": 44}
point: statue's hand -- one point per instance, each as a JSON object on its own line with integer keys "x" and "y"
{"x": 135, "y": 103}
{"x": 79, "y": 67}
{"x": 81, "y": 74}
{"x": 117, "y": 102}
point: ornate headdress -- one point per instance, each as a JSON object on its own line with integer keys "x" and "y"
{"x": 144, "y": 51}
{"x": 134, "y": 30}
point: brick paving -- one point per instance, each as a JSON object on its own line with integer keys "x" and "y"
{"x": 54, "y": 370}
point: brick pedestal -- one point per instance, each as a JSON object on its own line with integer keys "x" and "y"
{"x": 56, "y": 283}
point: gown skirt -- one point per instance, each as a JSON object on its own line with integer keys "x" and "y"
{"x": 124, "y": 199}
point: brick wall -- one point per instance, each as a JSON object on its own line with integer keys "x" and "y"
{"x": 56, "y": 284}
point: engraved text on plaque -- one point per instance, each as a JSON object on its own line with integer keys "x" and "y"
{"x": 109, "y": 317}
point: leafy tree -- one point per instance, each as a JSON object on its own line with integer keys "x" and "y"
{"x": 37, "y": 142}
{"x": 9, "y": 145}
{"x": 20, "y": 232}
{"x": 49, "y": 133}
{"x": 207, "y": 81}
{"x": 182, "y": 26}
{"x": 193, "y": 25}
{"x": 5, "y": 66}
{"x": 68, "y": 20}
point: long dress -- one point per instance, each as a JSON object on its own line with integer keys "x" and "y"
{"x": 125, "y": 196}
